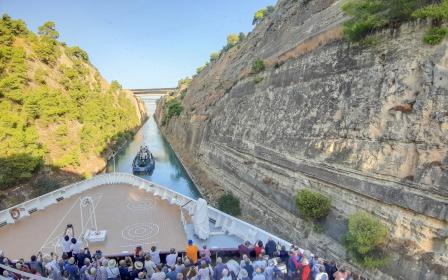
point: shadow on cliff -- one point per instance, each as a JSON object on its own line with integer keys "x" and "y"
{"x": 24, "y": 176}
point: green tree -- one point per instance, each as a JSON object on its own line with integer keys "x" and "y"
{"x": 173, "y": 107}
{"x": 230, "y": 204}
{"x": 78, "y": 53}
{"x": 48, "y": 29}
{"x": 312, "y": 205}
{"x": 233, "y": 39}
{"x": 365, "y": 239}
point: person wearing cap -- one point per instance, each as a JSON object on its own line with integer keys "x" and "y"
{"x": 171, "y": 258}
{"x": 72, "y": 269}
{"x": 112, "y": 270}
{"x": 138, "y": 267}
{"x": 192, "y": 251}
{"x": 90, "y": 273}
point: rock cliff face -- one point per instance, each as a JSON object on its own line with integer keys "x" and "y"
{"x": 366, "y": 126}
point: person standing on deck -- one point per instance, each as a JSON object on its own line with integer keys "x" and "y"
{"x": 155, "y": 255}
{"x": 66, "y": 244}
{"x": 192, "y": 252}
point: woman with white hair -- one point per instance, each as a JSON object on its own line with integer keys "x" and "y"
{"x": 205, "y": 272}
{"x": 243, "y": 275}
{"x": 322, "y": 275}
{"x": 226, "y": 274}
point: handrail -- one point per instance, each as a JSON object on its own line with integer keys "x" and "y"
{"x": 185, "y": 204}
{"x": 25, "y": 274}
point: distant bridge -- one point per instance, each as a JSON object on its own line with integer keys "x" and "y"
{"x": 152, "y": 91}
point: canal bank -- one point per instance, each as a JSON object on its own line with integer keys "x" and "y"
{"x": 169, "y": 170}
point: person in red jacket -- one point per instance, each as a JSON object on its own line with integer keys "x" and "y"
{"x": 306, "y": 270}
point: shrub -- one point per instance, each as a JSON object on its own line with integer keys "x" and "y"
{"x": 258, "y": 79}
{"x": 173, "y": 108}
{"x": 262, "y": 13}
{"x": 44, "y": 185}
{"x": 232, "y": 40}
{"x": 312, "y": 205}
{"x": 78, "y": 53}
{"x": 40, "y": 75}
{"x": 365, "y": 239}
{"x": 214, "y": 56}
{"x": 436, "y": 12}
{"x": 229, "y": 204}
{"x": 184, "y": 82}
{"x": 370, "y": 15}
{"x": 435, "y": 35}
{"x": 200, "y": 69}
{"x": 258, "y": 66}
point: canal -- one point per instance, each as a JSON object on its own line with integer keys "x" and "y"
{"x": 168, "y": 171}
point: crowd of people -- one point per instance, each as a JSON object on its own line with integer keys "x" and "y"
{"x": 255, "y": 262}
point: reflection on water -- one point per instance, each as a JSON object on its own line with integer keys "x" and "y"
{"x": 168, "y": 172}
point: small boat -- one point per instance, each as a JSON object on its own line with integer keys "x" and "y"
{"x": 143, "y": 162}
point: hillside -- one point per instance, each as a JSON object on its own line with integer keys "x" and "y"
{"x": 296, "y": 106}
{"x": 59, "y": 119}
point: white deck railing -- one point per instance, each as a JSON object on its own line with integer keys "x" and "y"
{"x": 229, "y": 224}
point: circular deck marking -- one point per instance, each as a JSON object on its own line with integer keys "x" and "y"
{"x": 140, "y": 231}
{"x": 140, "y": 205}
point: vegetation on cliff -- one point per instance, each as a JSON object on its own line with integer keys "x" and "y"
{"x": 230, "y": 204}
{"x": 262, "y": 13}
{"x": 173, "y": 107}
{"x": 55, "y": 109}
{"x": 366, "y": 240}
{"x": 312, "y": 205}
{"x": 368, "y": 16}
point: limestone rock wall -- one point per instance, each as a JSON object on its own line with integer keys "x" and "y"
{"x": 366, "y": 126}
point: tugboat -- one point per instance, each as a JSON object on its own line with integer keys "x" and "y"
{"x": 143, "y": 162}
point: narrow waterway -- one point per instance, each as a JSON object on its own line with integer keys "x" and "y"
{"x": 168, "y": 171}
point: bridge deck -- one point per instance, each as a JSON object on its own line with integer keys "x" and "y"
{"x": 131, "y": 217}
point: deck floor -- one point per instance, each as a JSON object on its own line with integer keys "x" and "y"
{"x": 131, "y": 217}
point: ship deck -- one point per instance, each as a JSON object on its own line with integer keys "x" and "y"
{"x": 131, "y": 217}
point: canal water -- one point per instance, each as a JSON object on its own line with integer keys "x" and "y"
{"x": 168, "y": 171}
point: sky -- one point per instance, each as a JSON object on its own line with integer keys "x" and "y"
{"x": 142, "y": 43}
